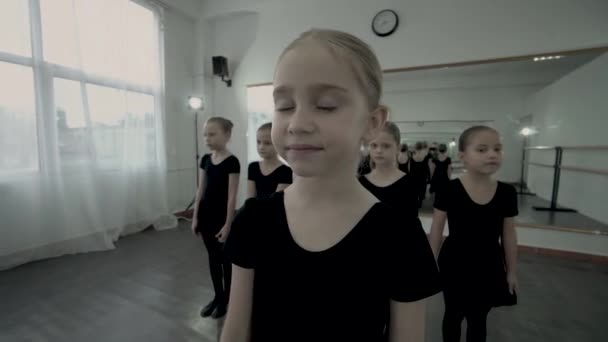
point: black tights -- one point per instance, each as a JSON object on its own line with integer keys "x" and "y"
{"x": 476, "y": 322}
{"x": 220, "y": 269}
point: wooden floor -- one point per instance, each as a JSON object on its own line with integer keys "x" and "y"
{"x": 153, "y": 285}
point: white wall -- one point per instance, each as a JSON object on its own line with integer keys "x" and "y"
{"x": 431, "y": 32}
{"x": 573, "y": 111}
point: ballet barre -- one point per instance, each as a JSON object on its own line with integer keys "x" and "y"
{"x": 556, "y": 177}
{"x": 557, "y": 167}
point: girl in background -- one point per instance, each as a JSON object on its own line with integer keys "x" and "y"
{"x": 478, "y": 272}
{"x": 389, "y": 184}
{"x": 404, "y": 159}
{"x": 215, "y": 207}
{"x": 268, "y": 175}
{"x": 419, "y": 171}
{"x": 441, "y": 169}
{"x": 331, "y": 261}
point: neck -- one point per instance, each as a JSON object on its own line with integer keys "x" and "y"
{"x": 313, "y": 190}
{"x": 384, "y": 169}
{"x": 271, "y": 161}
{"x": 220, "y": 152}
{"x": 479, "y": 178}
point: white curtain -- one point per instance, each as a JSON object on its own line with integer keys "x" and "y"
{"x": 82, "y": 155}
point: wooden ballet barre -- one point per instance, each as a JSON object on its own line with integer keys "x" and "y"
{"x": 586, "y": 170}
{"x": 541, "y": 148}
{"x": 587, "y": 147}
{"x": 572, "y": 147}
{"x": 542, "y": 164}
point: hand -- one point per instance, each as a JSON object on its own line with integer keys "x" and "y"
{"x": 512, "y": 281}
{"x": 194, "y": 227}
{"x": 223, "y": 234}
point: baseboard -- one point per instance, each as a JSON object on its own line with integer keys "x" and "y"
{"x": 577, "y": 256}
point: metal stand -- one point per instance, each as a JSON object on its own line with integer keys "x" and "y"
{"x": 196, "y": 158}
{"x": 522, "y": 180}
{"x": 556, "y": 175}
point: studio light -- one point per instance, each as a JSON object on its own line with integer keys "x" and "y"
{"x": 527, "y": 131}
{"x": 195, "y": 103}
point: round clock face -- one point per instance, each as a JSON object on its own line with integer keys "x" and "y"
{"x": 385, "y": 23}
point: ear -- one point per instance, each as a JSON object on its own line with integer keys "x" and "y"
{"x": 375, "y": 123}
{"x": 461, "y": 155}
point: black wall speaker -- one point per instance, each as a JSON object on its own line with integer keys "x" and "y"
{"x": 220, "y": 66}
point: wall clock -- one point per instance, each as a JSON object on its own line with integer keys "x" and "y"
{"x": 385, "y": 23}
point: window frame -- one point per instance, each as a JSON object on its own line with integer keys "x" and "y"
{"x": 44, "y": 74}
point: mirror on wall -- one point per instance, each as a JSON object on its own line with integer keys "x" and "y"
{"x": 544, "y": 100}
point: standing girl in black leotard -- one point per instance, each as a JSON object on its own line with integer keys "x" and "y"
{"x": 478, "y": 272}
{"x": 404, "y": 159}
{"x": 419, "y": 171}
{"x": 441, "y": 169}
{"x": 389, "y": 184}
{"x": 215, "y": 207}
{"x": 268, "y": 175}
{"x": 331, "y": 263}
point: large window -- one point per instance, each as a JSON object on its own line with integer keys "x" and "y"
{"x": 79, "y": 84}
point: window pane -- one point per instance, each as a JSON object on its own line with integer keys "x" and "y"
{"x": 72, "y": 139}
{"x": 112, "y": 38}
{"x": 123, "y": 127}
{"x": 59, "y": 38}
{"x": 18, "y": 144}
{"x": 142, "y": 36}
{"x": 15, "y": 27}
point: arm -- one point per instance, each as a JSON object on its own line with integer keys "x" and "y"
{"x": 450, "y": 171}
{"x": 509, "y": 242}
{"x": 282, "y": 186}
{"x": 237, "y": 326}
{"x": 199, "y": 195}
{"x": 251, "y": 192}
{"x": 407, "y": 323}
{"x": 233, "y": 185}
{"x": 437, "y": 227}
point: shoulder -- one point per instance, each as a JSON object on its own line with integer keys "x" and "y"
{"x": 506, "y": 187}
{"x": 364, "y": 181}
{"x": 506, "y": 190}
{"x": 233, "y": 159}
{"x": 253, "y": 166}
{"x": 205, "y": 161}
{"x": 233, "y": 164}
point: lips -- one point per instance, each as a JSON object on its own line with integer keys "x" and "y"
{"x": 303, "y": 148}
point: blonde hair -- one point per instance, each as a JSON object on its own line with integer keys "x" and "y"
{"x": 359, "y": 55}
{"x": 224, "y": 123}
{"x": 265, "y": 126}
{"x": 392, "y": 129}
{"x": 465, "y": 138}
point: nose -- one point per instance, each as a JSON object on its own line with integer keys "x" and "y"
{"x": 300, "y": 121}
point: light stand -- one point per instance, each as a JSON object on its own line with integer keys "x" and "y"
{"x": 195, "y": 104}
{"x": 525, "y": 132}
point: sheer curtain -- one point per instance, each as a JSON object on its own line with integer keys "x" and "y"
{"x": 82, "y": 155}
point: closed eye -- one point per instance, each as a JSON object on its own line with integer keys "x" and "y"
{"x": 326, "y": 109}
{"x": 284, "y": 109}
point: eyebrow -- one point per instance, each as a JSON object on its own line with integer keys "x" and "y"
{"x": 318, "y": 87}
